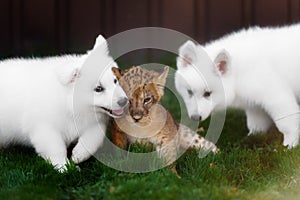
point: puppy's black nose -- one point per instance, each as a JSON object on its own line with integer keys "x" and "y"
{"x": 123, "y": 101}
{"x": 196, "y": 117}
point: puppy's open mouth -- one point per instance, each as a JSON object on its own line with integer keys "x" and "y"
{"x": 114, "y": 113}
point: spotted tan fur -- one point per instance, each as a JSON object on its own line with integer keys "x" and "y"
{"x": 144, "y": 89}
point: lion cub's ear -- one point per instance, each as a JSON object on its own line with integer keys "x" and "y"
{"x": 161, "y": 80}
{"x": 120, "y": 72}
{"x": 117, "y": 72}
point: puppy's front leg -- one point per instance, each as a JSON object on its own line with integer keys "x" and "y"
{"x": 88, "y": 144}
{"x": 49, "y": 144}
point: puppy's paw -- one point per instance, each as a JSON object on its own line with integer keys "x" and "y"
{"x": 80, "y": 154}
{"x": 291, "y": 142}
{"x": 61, "y": 168}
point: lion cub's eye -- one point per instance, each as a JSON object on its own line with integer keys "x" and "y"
{"x": 147, "y": 100}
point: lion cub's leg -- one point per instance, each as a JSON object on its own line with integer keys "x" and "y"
{"x": 167, "y": 149}
{"x": 189, "y": 138}
{"x": 118, "y": 137}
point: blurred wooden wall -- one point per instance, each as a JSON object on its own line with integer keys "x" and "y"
{"x": 62, "y": 26}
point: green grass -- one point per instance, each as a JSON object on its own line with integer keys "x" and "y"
{"x": 256, "y": 167}
{"x": 247, "y": 168}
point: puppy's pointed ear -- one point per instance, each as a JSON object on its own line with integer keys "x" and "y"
{"x": 222, "y": 62}
{"x": 187, "y": 55}
{"x": 100, "y": 40}
{"x": 67, "y": 75}
{"x": 100, "y": 46}
{"x": 161, "y": 80}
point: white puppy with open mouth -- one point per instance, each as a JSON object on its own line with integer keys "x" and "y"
{"x": 37, "y": 103}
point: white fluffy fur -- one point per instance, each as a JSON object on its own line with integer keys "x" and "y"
{"x": 259, "y": 69}
{"x": 36, "y": 103}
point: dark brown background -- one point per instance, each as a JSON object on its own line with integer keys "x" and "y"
{"x": 41, "y": 27}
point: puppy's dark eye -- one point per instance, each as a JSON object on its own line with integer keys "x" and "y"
{"x": 207, "y": 94}
{"x": 99, "y": 89}
{"x": 190, "y": 92}
{"x": 147, "y": 100}
{"x": 115, "y": 81}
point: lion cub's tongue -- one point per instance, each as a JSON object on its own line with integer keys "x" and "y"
{"x": 118, "y": 112}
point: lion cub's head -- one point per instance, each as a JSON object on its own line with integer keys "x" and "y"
{"x": 144, "y": 89}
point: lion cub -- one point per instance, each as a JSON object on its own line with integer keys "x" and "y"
{"x": 147, "y": 120}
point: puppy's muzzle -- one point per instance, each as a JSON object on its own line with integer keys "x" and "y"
{"x": 122, "y": 102}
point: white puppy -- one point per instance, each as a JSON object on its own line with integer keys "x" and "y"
{"x": 259, "y": 70}
{"x": 37, "y": 103}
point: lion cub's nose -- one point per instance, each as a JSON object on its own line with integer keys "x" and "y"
{"x": 137, "y": 117}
